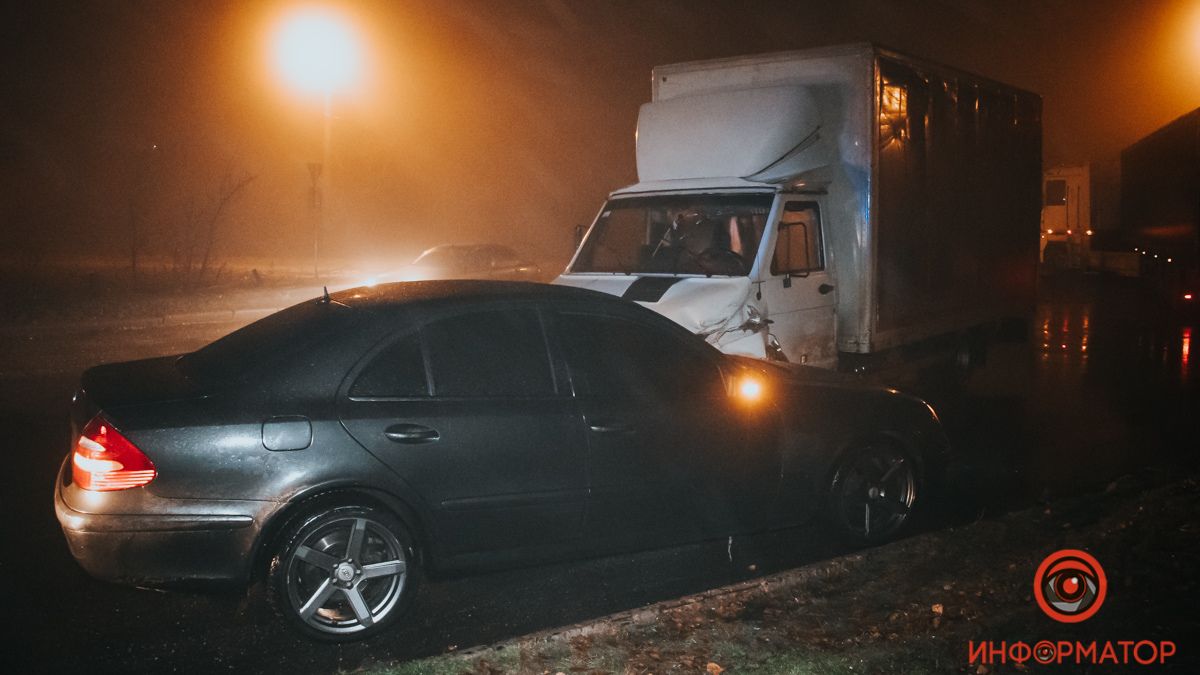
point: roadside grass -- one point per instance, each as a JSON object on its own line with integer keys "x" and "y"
{"x": 911, "y": 607}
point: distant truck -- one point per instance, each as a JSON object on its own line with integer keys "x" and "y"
{"x": 1077, "y": 201}
{"x": 1160, "y": 207}
{"x": 837, "y": 207}
{"x": 1066, "y": 217}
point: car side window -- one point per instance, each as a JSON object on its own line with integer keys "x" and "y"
{"x": 617, "y": 358}
{"x": 798, "y": 248}
{"x": 490, "y": 353}
{"x": 396, "y": 372}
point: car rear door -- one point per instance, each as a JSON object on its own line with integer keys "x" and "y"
{"x": 469, "y": 412}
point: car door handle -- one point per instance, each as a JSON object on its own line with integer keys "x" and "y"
{"x": 411, "y": 434}
{"x": 611, "y": 427}
{"x": 825, "y": 289}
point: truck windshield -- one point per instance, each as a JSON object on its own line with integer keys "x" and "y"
{"x": 712, "y": 235}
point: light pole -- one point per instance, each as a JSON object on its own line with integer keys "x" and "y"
{"x": 317, "y": 53}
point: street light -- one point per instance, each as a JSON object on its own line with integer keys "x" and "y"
{"x": 317, "y": 52}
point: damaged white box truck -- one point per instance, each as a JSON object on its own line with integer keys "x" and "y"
{"x": 839, "y": 207}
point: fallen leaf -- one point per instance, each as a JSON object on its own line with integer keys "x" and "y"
{"x": 938, "y": 608}
{"x": 713, "y": 669}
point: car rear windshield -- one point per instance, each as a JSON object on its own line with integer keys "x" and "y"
{"x": 266, "y": 342}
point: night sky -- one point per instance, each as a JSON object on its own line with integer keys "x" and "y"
{"x": 475, "y": 120}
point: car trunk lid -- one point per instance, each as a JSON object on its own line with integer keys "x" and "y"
{"x": 134, "y": 382}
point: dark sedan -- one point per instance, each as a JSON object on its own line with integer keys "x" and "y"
{"x": 347, "y": 446}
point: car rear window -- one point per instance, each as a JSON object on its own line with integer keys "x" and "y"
{"x": 266, "y": 342}
{"x": 398, "y": 371}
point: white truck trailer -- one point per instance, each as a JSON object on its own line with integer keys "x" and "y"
{"x": 1066, "y": 217}
{"x": 830, "y": 206}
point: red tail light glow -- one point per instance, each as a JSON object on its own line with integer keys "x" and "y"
{"x": 104, "y": 460}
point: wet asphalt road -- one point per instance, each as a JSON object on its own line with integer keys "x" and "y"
{"x": 1106, "y": 388}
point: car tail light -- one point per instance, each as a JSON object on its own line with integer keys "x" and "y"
{"x": 105, "y": 460}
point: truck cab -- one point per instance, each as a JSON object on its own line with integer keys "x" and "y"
{"x": 734, "y": 264}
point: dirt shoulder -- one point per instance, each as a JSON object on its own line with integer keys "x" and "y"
{"x": 60, "y": 298}
{"x": 910, "y": 607}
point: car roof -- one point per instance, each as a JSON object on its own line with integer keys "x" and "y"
{"x": 396, "y": 297}
{"x": 399, "y": 294}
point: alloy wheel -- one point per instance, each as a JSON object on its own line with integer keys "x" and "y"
{"x": 345, "y": 573}
{"x": 873, "y": 493}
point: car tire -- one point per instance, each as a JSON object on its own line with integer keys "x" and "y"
{"x": 873, "y": 493}
{"x": 343, "y": 573}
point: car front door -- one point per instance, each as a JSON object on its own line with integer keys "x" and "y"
{"x": 469, "y": 413}
{"x": 670, "y": 456}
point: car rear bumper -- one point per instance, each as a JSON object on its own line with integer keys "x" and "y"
{"x": 156, "y": 549}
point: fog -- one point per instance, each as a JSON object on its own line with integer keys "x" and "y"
{"x": 124, "y": 124}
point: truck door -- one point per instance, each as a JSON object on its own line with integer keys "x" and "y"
{"x": 798, "y": 290}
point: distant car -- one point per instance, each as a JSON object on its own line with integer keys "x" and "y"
{"x": 347, "y": 445}
{"x": 466, "y": 261}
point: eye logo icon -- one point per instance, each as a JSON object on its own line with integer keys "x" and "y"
{"x": 1070, "y": 586}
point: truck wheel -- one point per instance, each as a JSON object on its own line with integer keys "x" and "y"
{"x": 872, "y": 493}
{"x": 343, "y": 572}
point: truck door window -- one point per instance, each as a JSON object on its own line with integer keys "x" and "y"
{"x": 1056, "y": 192}
{"x": 798, "y": 247}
